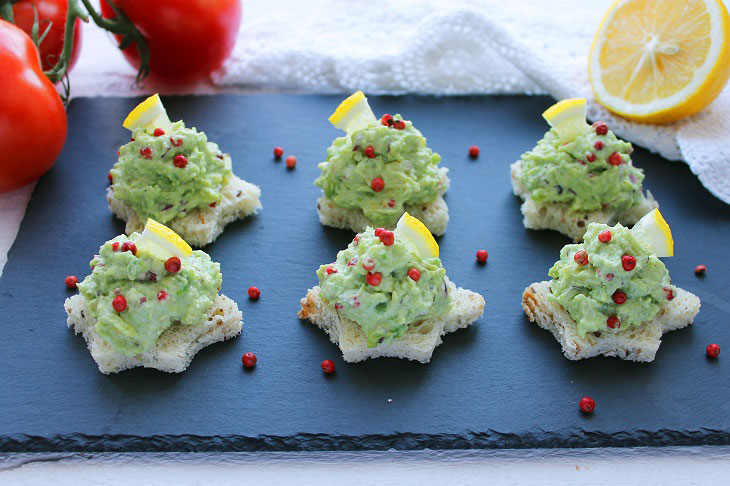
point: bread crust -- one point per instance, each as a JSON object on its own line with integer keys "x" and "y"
{"x": 418, "y": 342}
{"x": 174, "y": 349}
{"x": 636, "y": 344}
{"x": 200, "y": 226}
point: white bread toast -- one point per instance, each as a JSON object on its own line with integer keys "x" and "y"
{"x": 418, "y": 342}
{"x": 173, "y": 350}
{"x": 203, "y": 225}
{"x": 559, "y": 217}
{"x": 435, "y": 215}
{"x": 636, "y": 344}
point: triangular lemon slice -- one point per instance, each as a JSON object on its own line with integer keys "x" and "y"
{"x": 159, "y": 241}
{"x": 654, "y": 230}
{"x": 148, "y": 114}
{"x": 568, "y": 117}
{"x": 353, "y": 114}
{"x": 414, "y": 234}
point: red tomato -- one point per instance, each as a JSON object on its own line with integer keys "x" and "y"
{"x": 32, "y": 117}
{"x": 187, "y": 39}
{"x": 53, "y": 11}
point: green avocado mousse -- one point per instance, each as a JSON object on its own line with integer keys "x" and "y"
{"x": 173, "y": 174}
{"x": 387, "y": 294}
{"x": 378, "y": 170}
{"x": 578, "y": 174}
{"x": 611, "y": 295}
{"x": 147, "y": 284}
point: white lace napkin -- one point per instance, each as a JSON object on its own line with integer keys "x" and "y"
{"x": 456, "y": 47}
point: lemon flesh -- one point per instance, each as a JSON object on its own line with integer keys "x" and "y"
{"x": 414, "y": 234}
{"x": 148, "y": 114}
{"x": 654, "y": 230}
{"x": 657, "y": 61}
{"x": 159, "y": 241}
{"x": 568, "y": 117}
{"x": 354, "y": 113}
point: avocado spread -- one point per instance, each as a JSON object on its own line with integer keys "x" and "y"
{"x": 591, "y": 172}
{"x": 395, "y": 155}
{"x": 370, "y": 284}
{"x": 154, "y": 298}
{"x": 610, "y": 286}
{"x": 163, "y": 177}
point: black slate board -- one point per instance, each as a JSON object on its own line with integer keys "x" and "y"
{"x": 501, "y": 383}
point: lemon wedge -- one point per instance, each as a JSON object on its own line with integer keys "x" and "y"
{"x": 567, "y": 117}
{"x": 657, "y": 61}
{"x": 159, "y": 241}
{"x": 416, "y": 236}
{"x": 148, "y": 114}
{"x": 353, "y": 114}
{"x": 654, "y": 230}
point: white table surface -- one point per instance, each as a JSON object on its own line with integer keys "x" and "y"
{"x": 636, "y": 466}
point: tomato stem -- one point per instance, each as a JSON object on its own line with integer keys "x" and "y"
{"x": 6, "y": 10}
{"x": 73, "y": 12}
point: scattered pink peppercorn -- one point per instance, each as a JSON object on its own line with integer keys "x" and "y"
{"x": 609, "y": 276}
{"x": 613, "y": 322}
{"x": 119, "y": 303}
{"x": 615, "y": 159}
{"x": 713, "y": 350}
{"x": 600, "y": 127}
{"x": 628, "y": 262}
{"x": 378, "y": 231}
{"x": 110, "y": 177}
{"x": 604, "y": 236}
{"x": 587, "y": 405}
{"x": 161, "y": 295}
{"x": 158, "y": 132}
{"x": 377, "y": 184}
{"x": 291, "y": 162}
{"x": 115, "y": 246}
{"x": 619, "y": 297}
{"x": 213, "y": 204}
{"x": 278, "y": 152}
{"x": 330, "y": 270}
{"x": 352, "y": 262}
{"x": 248, "y": 359}
{"x": 254, "y": 293}
{"x": 669, "y": 292}
{"x": 598, "y": 145}
{"x": 590, "y": 157}
{"x": 328, "y": 366}
{"x": 129, "y": 246}
{"x": 581, "y": 257}
{"x": 146, "y": 152}
{"x": 399, "y": 124}
{"x": 387, "y": 237}
{"x": 700, "y": 269}
{"x": 173, "y": 264}
{"x": 482, "y": 256}
{"x": 414, "y": 274}
{"x": 356, "y": 239}
{"x": 176, "y": 143}
{"x": 391, "y": 203}
{"x": 374, "y": 279}
{"x": 180, "y": 161}
{"x": 131, "y": 139}
{"x": 369, "y": 152}
{"x": 473, "y": 151}
{"x": 387, "y": 120}
{"x": 71, "y": 281}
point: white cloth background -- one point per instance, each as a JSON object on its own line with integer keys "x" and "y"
{"x": 412, "y": 46}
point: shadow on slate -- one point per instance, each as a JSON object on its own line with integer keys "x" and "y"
{"x": 501, "y": 383}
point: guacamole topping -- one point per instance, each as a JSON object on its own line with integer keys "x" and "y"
{"x": 395, "y": 154}
{"x": 163, "y": 177}
{"x": 369, "y": 283}
{"x": 155, "y": 298}
{"x": 590, "y": 172}
{"x": 603, "y": 288}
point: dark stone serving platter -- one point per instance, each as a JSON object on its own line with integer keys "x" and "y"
{"x": 503, "y": 382}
